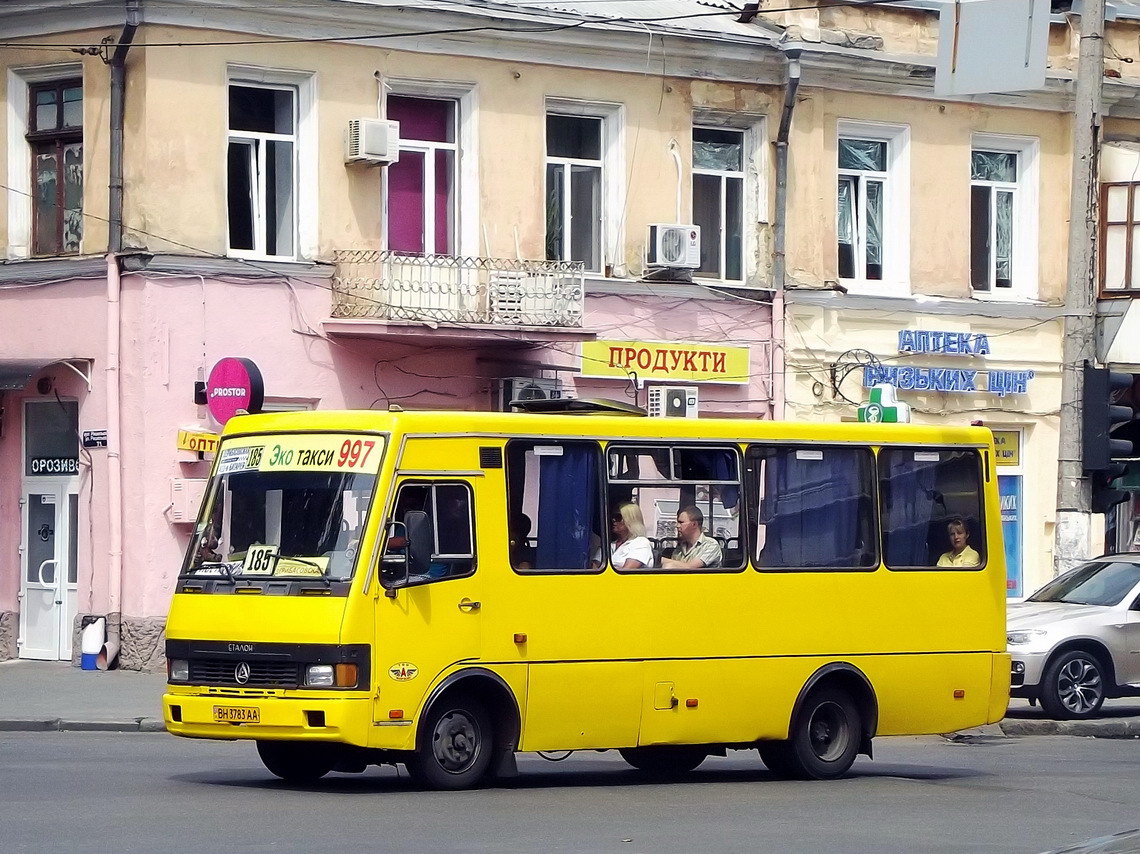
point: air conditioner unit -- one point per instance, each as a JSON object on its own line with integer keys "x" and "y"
{"x": 372, "y": 141}
{"x": 674, "y": 246}
{"x": 527, "y": 388}
{"x": 673, "y": 401}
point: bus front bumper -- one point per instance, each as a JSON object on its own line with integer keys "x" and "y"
{"x": 344, "y": 720}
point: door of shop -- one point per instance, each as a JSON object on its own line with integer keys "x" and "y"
{"x": 47, "y": 591}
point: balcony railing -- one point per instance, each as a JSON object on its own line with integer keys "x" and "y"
{"x": 384, "y": 285}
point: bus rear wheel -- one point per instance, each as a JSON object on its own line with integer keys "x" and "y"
{"x": 296, "y": 762}
{"x": 824, "y": 739}
{"x": 456, "y": 745}
{"x": 664, "y": 760}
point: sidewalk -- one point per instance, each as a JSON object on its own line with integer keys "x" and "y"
{"x": 40, "y": 695}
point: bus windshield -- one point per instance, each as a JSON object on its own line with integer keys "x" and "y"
{"x": 286, "y": 509}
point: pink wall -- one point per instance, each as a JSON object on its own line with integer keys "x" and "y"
{"x": 174, "y": 328}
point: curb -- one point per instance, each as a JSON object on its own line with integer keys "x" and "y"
{"x": 60, "y": 725}
{"x": 1119, "y": 728}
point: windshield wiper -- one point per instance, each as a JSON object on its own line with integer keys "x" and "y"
{"x": 227, "y": 571}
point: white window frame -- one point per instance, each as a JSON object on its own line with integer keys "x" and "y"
{"x": 896, "y": 206}
{"x": 466, "y": 157}
{"x": 304, "y": 139}
{"x": 755, "y": 190}
{"x": 1024, "y": 267}
{"x": 19, "y": 82}
{"x": 610, "y": 255}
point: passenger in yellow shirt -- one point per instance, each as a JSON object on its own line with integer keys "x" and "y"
{"x": 960, "y": 553}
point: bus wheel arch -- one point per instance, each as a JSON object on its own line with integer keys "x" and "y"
{"x": 491, "y": 692}
{"x": 854, "y": 682}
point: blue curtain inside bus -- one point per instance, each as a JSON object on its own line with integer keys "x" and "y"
{"x": 567, "y": 502}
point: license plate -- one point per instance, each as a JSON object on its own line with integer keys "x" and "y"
{"x": 237, "y": 714}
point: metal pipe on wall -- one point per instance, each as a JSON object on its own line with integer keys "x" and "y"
{"x": 777, "y": 360}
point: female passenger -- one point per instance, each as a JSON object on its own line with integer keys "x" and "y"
{"x": 630, "y": 548}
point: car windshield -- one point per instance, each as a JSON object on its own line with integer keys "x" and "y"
{"x": 1096, "y": 583}
{"x": 291, "y": 508}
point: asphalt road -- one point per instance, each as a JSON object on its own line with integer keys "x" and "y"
{"x": 107, "y": 792}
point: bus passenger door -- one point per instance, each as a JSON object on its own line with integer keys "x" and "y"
{"x": 433, "y": 621}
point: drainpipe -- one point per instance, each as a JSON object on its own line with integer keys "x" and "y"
{"x": 118, "y": 63}
{"x": 778, "y": 360}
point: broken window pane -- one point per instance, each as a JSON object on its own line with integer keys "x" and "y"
{"x": 874, "y": 230}
{"x": 993, "y": 166}
{"x": 720, "y": 150}
{"x": 46, "y": 174}
{"x": 847, "y": 193}
{"x": 865, "y": 154}
{"x": 72, "y": 196}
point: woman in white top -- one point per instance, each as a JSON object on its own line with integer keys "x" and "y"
{"x": 630, "y": 548}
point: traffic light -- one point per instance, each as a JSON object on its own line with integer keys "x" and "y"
{"x": 1104, "y": 495}
{"x": 1103, "y": 412}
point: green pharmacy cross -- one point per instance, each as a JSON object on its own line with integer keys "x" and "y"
{"x": 883, "y": 406}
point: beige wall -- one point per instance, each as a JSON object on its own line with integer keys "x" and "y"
{"x": 175, "y": 153}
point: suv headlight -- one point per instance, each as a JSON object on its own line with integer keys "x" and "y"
{"x": 319, "y": 676}
{"x": 1025, "y": 637}
{"x": 178, "y": 670}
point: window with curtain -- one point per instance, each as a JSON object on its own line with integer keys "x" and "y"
{"x": 55, "y": 136}
{"x": 574, "y": 174}
{"x": 863, "y": 180}
{"x": 718, "y": 200}
{"x": 554, "y": 505}
{"x": 930, "y": 498}
{"x": 993, "y": 212}
{"x": 262, "y": 170}
{"x": 422, "y": 186}
{"x": 812, "y": 507}
{"x": 1120, "y": 212}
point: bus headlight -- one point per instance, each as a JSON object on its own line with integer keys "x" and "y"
{"x": 319, "y": 676}
{"x": 178, "y": 670}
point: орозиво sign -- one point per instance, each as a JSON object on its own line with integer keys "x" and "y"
{"x": 234, "y": 384}
{"x": 655, "y": 360}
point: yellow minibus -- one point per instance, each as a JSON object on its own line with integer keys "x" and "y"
{"x": 444, "y": 590}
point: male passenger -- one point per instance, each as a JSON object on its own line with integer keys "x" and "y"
{"x": 694, "y": 550}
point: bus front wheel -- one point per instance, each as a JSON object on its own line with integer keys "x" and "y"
{"x": 456, "y": 745}
{"x": 296, "y": 762}
{"x": 824, "y": 739}
{"x": 664, "y": 760}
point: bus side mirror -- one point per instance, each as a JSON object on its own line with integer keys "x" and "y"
{"x": 394, "y": 561}
{"x": 421, "y": 540}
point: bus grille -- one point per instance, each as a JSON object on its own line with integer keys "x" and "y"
{"x": 261, "y": 674}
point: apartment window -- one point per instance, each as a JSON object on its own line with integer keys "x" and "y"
{"x": 262, "y": 170}
{"x": 718, "y": 200}
{"x": 55, "y": 139}
{"x": 1120, "y": 209}
{"x": 993, "y": 208}
{"x": 574, "y": 193}
{"x": 862, "y": 207}
{"x": 422, "y": 197}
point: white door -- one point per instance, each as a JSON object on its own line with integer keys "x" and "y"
{"x": 47, "y": 590}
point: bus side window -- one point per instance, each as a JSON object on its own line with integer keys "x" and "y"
{"x": 554, "y": 505}
{"x": 932, "y": 507}
{"x": 449, "y": 508}
{"x": 812, "y": 507}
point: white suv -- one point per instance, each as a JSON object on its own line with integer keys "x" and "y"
{"x": 1076, "y": 641}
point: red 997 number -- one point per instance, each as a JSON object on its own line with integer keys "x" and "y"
{"x": 353, "y": 454}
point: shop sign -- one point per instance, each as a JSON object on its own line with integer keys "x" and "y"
{"x": 1007, "y": 447}
{"x": 951, "y": 343}
{"x": 680, "y": 361}
{"x": 203, "y": 443}
{"x": 234, "y": 384}
{"x": 53, "y": 465}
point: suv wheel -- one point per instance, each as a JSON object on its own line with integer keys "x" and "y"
{"x": 1073, "y": 686}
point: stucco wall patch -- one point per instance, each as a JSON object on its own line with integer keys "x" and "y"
{"x": 9, "y": 628}
{"x": 144, "y": 644}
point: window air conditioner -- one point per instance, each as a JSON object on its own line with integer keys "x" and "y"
{"x": 527, "y": 388}
{"x": 372, "y": 141}
{"x": 673, "y": 401}
{"x": 674, "y": 246}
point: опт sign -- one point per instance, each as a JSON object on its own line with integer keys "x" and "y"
{"x": 234, "y": 384}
